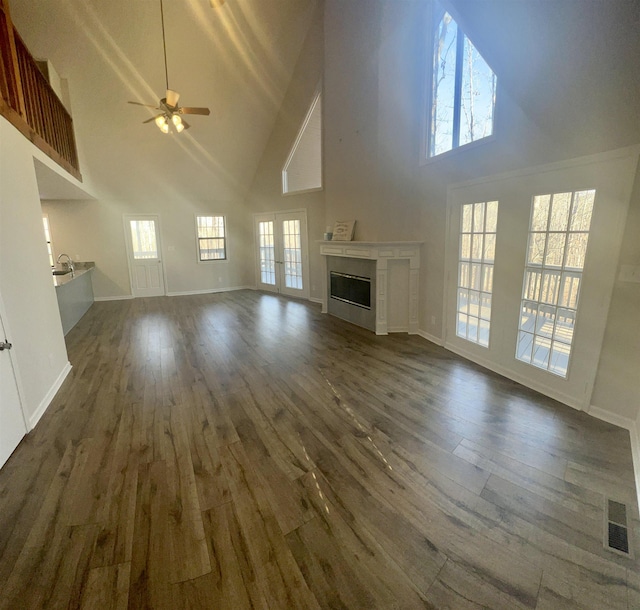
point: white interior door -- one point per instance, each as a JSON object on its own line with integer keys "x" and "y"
{"x": 12, "y": 424}
{"x": 282, "y": 252}
{"x": 145, "y": 257}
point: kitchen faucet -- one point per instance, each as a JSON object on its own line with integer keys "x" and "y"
{"x": 68, "y": 262}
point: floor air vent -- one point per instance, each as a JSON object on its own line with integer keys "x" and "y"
{"x": 616, "y": 534}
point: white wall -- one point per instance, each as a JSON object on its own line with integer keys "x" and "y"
{"x": 94, "y": 231}
{"x": 373, "y": 57}
{"x": 265, "y": 194}
{"x": 25, "y": 276}
{"x": 375, "y": 70}
{"x": 617, "y": 387}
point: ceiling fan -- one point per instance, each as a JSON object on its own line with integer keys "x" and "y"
{"x": 170, "y": 112}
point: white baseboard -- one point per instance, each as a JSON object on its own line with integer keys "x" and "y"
{"x": 521, "y": 379}
{"x": 633, "y": 426}
{"x": 124, "y": 297}
{"x": 46, "y": 401}
{"x": 315, "y": 300}
{"x": 634, "y": 432}
{"x": 611, "y": 418}
{"x": 209, "y": 291}
{"x": 428, "y": 337}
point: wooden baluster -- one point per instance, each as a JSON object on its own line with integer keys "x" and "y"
{"x": 24, "y": 90}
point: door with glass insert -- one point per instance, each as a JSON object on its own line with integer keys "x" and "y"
{"x": 142, "y": 235}
{"x": 281, "y": 252}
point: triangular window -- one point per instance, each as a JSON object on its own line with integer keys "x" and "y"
{"x": 463, "y": 90}
{"x": 303, "y": 168}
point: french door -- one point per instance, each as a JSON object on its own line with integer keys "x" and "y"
{"x": 142, "y": 235}
{"x": 282, "y": 253}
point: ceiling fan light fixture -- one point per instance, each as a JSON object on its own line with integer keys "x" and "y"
{"x": 168, "y": 106}
{"x": 162, "y": 123}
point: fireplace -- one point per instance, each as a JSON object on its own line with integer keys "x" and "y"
{"x": 352, "y": 289}
{"x": 372, "y": 284}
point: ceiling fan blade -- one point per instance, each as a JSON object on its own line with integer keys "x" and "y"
{"x": 187, "y": 110}
{"x": 145, "y": 105}
{"x": 151, "y": 119}
{"x": 172, "y": 98}
{"x": 186, "y": 125}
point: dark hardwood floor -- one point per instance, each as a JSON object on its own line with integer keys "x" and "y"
{"x": 242, "y": 450}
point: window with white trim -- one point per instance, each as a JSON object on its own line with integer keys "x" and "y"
{"x": 462, "y": 93}
{"x": 556, "y": 251}
{"x": 475, "y": 271}
{"x": 303, "y": 168}
{"x": 211, "y": 238}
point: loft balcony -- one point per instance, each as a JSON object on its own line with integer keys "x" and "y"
{"x": 29, "y": 103}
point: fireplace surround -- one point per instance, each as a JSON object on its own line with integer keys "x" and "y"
{"x": 392, "y": 269}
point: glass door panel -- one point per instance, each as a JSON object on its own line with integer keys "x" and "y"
{"x": 266, "y": 253}
{"x": 292, "y": 249}
{"x": 281, "y": 252}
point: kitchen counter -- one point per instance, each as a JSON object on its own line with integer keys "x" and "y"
{"x": 80, "y": 269}
{"x": 74, "y": 293}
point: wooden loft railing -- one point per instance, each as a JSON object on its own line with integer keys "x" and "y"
{"x": 28, "y": 102}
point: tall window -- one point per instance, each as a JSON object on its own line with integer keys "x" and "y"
{"x": 475, "y": 271}
{"x": 267, "y": 252}
{"x": 463, "y": 90}
{"x": 303, "y": 168}
{"x": 212, "y": 242}
{"x": 557, "y": 246}
{"x": 47, "y": 236}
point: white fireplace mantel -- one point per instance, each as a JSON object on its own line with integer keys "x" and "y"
{"x": 382, "y": 252}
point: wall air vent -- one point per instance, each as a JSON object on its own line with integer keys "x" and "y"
{"x": 616, "y": 532}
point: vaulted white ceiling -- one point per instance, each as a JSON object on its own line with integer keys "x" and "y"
{"x": 237, "y": 60}
{"x": 573, "y": 66}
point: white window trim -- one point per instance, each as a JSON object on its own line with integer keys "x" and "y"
{"x": 611, "y": 175}
{"x": 427, "y": 89}
{"x": 482, "y": 262}
{"x": 317, "y": 96}
{"x": 197, "y": 239}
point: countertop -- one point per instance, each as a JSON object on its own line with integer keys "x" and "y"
{"x": 80, "y": 269}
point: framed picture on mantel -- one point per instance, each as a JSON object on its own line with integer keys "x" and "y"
{"x": 343, "y": 230}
